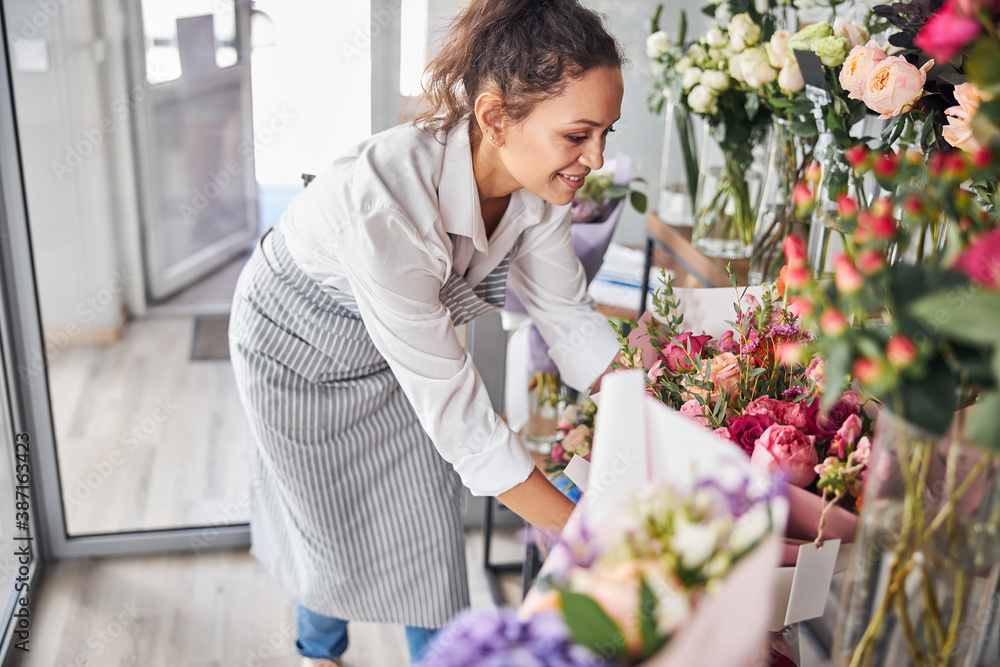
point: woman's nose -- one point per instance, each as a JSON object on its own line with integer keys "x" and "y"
{"x": 593, "y": 156}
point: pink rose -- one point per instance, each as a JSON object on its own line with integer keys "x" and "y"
{"x": 577, "y": 441}
{"x": 723, "y": 433}
{"x": 894, "y": 86}
{"x": 958, "y": 133}
{"x": 679, "y": 352}
{"x": 694, "y": 410}
{"x": 725, "y": 372}
{"x": 859, "y": 64}
{"x": 981, "y": 260}
{"x": 656, "y": 372}
{"x": 780, "y": 412}
{"x": 745, "y": 430}
{"x": 947, "y": 32}
{"x": 787, "y": 448}
{"x": 558, "y": 454}
{"x": 847, "y": 435}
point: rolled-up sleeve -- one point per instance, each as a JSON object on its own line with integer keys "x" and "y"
{"x": 550, "y": 282}
{"x": 396, "y": 278}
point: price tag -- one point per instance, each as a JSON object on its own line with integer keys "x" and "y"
{"x": 578, "y": 471}
{"x": 811, "y": 581}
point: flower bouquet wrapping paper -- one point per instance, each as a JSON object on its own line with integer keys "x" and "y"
{"x": 675, "y": 538}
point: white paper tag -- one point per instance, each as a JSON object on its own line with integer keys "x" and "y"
{"x": 811, "y": 581}
{"x": 578, "y": 471}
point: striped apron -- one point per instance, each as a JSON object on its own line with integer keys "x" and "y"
{"x": 353, "y": 511}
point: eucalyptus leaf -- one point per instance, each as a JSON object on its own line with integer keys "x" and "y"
{"x": 638, "y": 200}
{"x": 682, "y": 26}
{"x": 591, "y": 627}
{"x": 654, "y": 21}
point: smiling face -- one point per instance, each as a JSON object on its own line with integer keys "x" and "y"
{"x": 554, "y": 147}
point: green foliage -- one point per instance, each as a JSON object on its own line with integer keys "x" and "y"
{"x": 589, "y": 626}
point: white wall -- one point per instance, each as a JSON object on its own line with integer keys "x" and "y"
{"x": 639, "y": 133}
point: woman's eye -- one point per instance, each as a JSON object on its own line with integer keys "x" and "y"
{"x": 578, "y": 139}
{"x": 609, "y": 131}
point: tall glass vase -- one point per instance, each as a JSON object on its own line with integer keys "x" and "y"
{"x": 679, "y": 166}
{"x": 729, "y": 188}
{"x": 786, "y": 157}
{"x": 922, "y": 587}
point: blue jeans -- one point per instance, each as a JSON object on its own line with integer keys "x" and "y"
{"x": 326, "y": 637}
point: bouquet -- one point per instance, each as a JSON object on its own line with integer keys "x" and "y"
{"x": 751, "y": 387}
{"x": 664, "y": 547}
{"x": 600, "y": 194}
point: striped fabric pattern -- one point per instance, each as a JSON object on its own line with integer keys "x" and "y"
{"x": 354, "y": 513}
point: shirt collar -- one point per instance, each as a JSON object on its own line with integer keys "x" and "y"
{"x": 458, "y": 196}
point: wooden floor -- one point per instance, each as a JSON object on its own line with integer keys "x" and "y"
{"x": 146, "y": 437}
{"x": 209, "y": 610}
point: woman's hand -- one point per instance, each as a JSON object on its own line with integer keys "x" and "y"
{"x": 539, "y": 503}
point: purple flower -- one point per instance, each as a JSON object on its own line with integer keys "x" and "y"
{"x": 496, "y": 637}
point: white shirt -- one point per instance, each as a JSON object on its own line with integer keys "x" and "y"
{"x": 375, "y": 226}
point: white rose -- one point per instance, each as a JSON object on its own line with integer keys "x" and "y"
{"x": 690, "y": 78}
{"x": 695, "y": 543}
{"x": 657, "y": 44}
{"x": 723, "y": 13}
{"x": 702, "y": 100}
{"x": 755, "y": 68}
{"x": 790, "y": 77}
{"x": 856, "y": 35}
{"x": 715, "y": 37}
{"x": 683, "y": 65}
{"x": 736, "y": 67}
{"x": 715, "y": 79}
{"x": 696, "y": 52}
{"x": 779, "y": 47}
{"x": 743, "y": 32}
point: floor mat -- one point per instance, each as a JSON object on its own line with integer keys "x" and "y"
{"x": 211, "y": 338}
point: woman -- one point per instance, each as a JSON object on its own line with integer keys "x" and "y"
{"x": 366, "y": 413}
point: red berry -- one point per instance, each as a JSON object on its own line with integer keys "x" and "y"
{"x": 871, "y": 261}
{"x": 887, "y": 165}
{"x": 833, "y": 322}
{"x": 868, "y": 371}
{"x": 846, "y": 206}
{"x": 901, "y": 351}
{"x": 795, "y": 250}
{"x": 845, "y": 275}
{"x": 982, "y": 158}
{"x": 857, "y": 156}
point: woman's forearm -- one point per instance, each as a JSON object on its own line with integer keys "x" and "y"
{"x": 539, "y": 503}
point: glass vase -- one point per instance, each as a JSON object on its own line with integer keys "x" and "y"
{"x": 679, "y": 166}
{"x": 728, "y": 199}
{"x": 922, "y": 586}
{"x": 786, "y": 157}
{"x": 542, "y": 429}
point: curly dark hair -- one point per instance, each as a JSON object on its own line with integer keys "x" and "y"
{"x": 524, "y": 49}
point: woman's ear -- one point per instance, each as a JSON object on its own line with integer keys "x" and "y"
{"x": 490, "y": 117}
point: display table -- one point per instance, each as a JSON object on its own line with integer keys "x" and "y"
{"x": 691, "y": 267}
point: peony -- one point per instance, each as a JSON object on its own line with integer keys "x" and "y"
{"x": 755, "y": 68}
{"x": 894, "y": 86}
{"x": 577, "y": 441}
{"x": 679, "y": 352}
{"x": 853, "y": 34}
{"x": 657, "y": 44}
{"x": 790, "y": 77}
{"x": 690, "y": 78}
{"x": 743, "y": 32}
{"x": 981, "y": 261}
{"x": 947, "y": 32}
{"x": 859, "y": 64}
{"x": 715, "y": 79}
{"x": 787, "y": 448}
{"x": 779, "y": 412}
{"x": 745, "y": 430}
{"x": 958, "y": 133}
{"x": 779, "y": 47}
